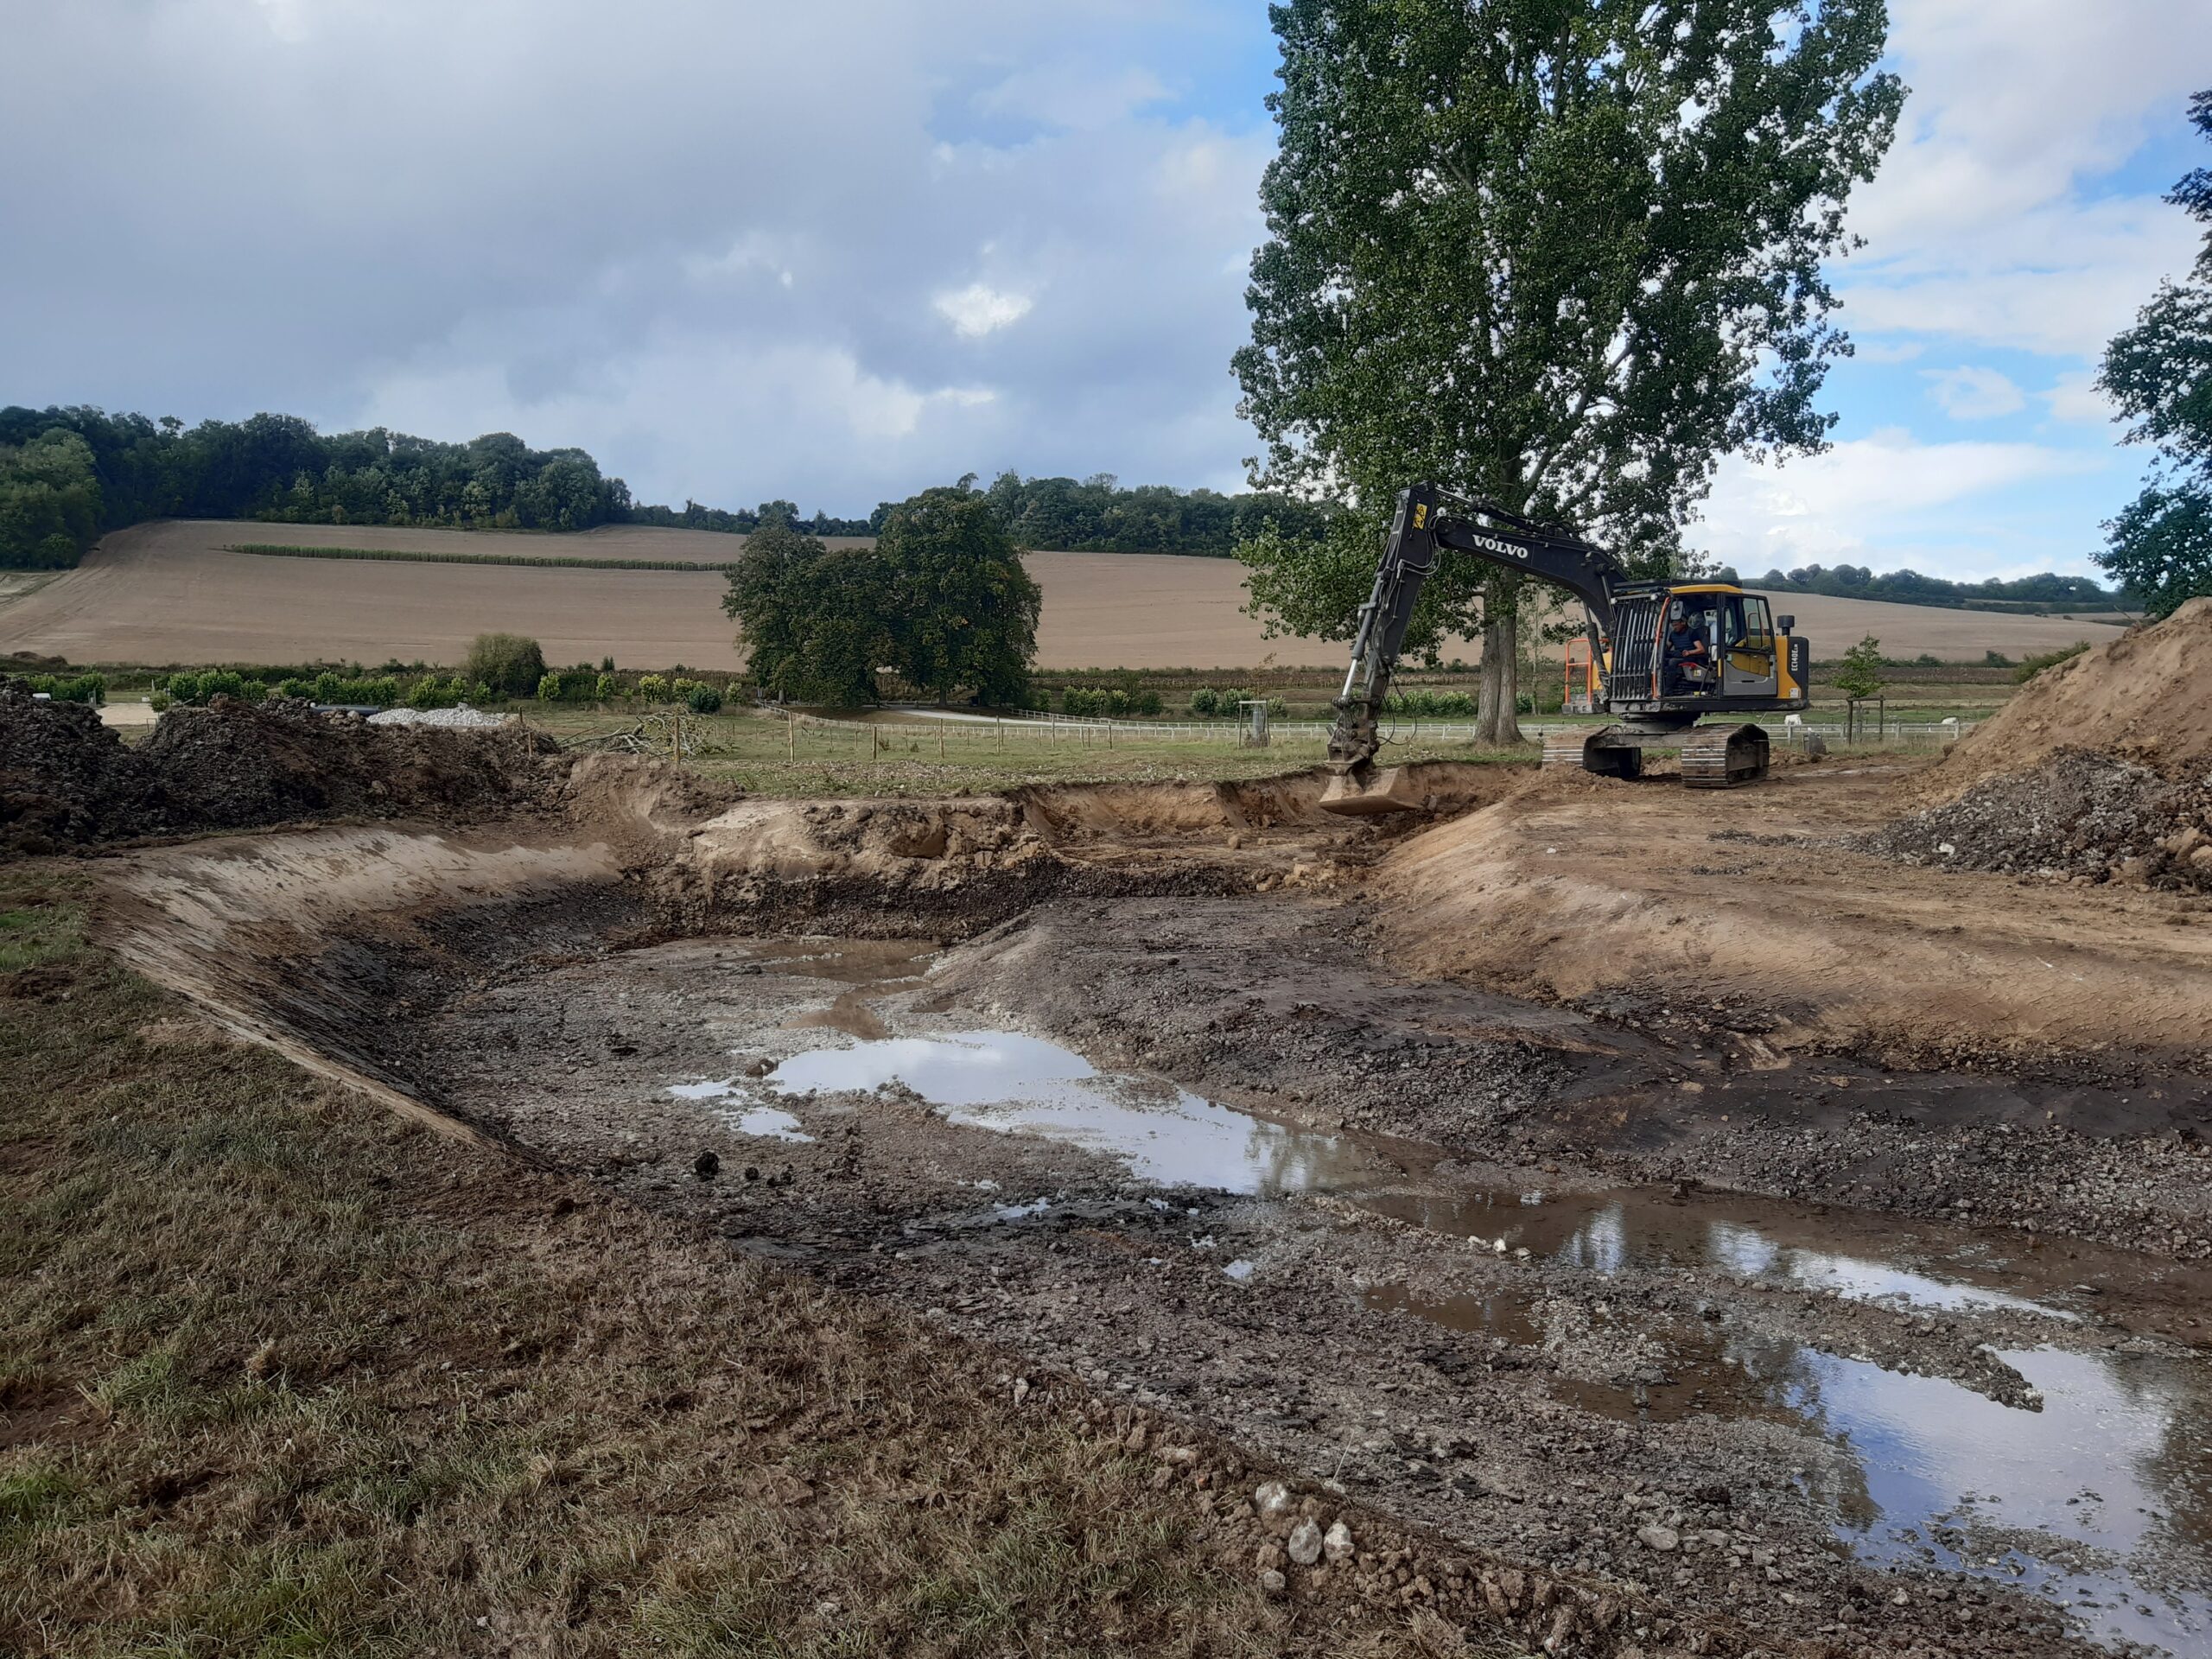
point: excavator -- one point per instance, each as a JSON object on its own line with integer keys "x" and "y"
{"x": 1665, "y": 656}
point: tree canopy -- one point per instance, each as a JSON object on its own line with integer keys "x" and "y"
{"x": 1561, "y": 254}
{"x": 2159, "y": 372}
{"x": 962, "y": 610}
{"x": 942, "y": 600}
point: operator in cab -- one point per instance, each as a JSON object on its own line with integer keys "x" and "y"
{"x": 1686, "y": 664}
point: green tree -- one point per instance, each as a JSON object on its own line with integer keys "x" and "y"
{"x": 511, "y": 664}
{"x": 812, "y": 618}
{"x": 2159, "y": 372}
{"x": 1859, "y": 674}
{"x": 1558, "y": 253}
{"x": 962, "y": 610}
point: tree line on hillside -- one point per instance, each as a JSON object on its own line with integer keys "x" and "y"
{"x": 1099, "y": 516}
{"x": 69, "y": 475}
{"x": 1910, "y": 587}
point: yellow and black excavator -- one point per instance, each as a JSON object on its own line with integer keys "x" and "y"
{"x": 1665, "y": 655}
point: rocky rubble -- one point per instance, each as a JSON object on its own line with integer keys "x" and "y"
{"x": 2081, "y": 815}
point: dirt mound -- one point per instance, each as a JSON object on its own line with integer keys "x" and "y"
{"x": 63, "y": 776}
{"x": 2080, "y": 814}
{"x": 65, "y": 779}
{"x": 2140, "y": 697}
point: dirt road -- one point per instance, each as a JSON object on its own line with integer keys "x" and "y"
{"x": 1616, "y": 1197}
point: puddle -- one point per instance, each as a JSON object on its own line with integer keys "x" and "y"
{"x": 769, "y": 1124}
{"x": 1503, "y": 1316}
{"x": 1021, "y": 1085}
{"x": 714, "y": 1089}
{"x": 1240, "y": 1269}
{"x": 868, "y": 967}
{"x": 2100, "y": 1503}
{"x": 1614, "y": 1231}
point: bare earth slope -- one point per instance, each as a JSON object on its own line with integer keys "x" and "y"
{"x": 166, "y": 592}
{"x": 2141, "y": 696}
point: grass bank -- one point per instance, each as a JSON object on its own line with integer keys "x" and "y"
{"x": 280, "y": 1374}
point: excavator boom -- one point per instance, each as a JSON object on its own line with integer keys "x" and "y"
{"x": 1429, "y": 521}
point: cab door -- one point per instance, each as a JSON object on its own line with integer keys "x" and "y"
{"x": 1747, "y": 648}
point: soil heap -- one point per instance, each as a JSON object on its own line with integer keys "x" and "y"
{"x": 2140, "y": 696}
{"x": 65, "y": 779}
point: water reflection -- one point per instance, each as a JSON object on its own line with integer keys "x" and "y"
{"x": 2100, "y": 1502}
{"x": 1016, "y": 1084}
{"x": 1613, "y": 1232}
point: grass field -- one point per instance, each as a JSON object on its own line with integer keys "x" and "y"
{"x": 169, "y": 593}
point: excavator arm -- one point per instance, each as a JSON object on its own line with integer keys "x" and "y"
{"x": 1429, "y": 521}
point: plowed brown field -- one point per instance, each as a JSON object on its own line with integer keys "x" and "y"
{"x": 168, "y": 593}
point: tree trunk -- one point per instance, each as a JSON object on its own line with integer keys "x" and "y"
{"x": 1499, "y": 723}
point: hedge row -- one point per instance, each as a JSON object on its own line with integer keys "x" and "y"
{"x": 395, "y": 556}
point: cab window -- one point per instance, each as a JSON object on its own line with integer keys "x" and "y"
{"x": 1756, "y": 629}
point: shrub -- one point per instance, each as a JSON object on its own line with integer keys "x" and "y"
{"x": 511, "y": 664}
{"x": 1117, "y": 703}
{"x": 77, "y": 687}
{"x": 2031, "y": 666}
{"x": 1996, "y": 659}
{"x": 431, "y": 692}
{"x": 1146, "y": 703}
{"x": 1203, "y": 702}
{"x": 160, "y": 701}
{"x": 703, "y": 699}
{"x": 653, "y": 688}
{"x": 608, "y": 687}
{"x": 548, "y": 688}
{"x": 209, "y": 683}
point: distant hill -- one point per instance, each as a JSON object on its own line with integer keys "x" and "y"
{"x": 169, "y": 593}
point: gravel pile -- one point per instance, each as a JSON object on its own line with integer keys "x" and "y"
{"x": 463, "y": 717}
{"x": 2081, "y": 815}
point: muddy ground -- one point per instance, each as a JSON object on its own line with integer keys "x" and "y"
{"x": 1666, "y": 1280}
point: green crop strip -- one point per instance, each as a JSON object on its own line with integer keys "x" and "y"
{"x": 397, "y": 555}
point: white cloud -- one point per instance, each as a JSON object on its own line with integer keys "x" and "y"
{"x": 1983, "y": 224}
{"x": 1972, "y": 393}
{"x": 1887, "y": 500}
{"x": 1879, "y": 350}
{"x": 1067, "y": 93}
{"x": 977, "y": 309}
{"x": 468, "y": 225}
{"x": 2074, "y": 398}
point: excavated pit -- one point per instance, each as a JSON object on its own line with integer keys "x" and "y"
{"x": 1116, "y": 1078}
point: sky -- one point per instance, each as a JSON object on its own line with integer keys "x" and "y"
{"x": 840, "y": 251}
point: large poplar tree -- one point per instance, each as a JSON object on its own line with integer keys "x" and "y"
{"x": 1561, "y": 254}
{"x": 2159, "y": 372}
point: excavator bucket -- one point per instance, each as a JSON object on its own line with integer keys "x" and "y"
{"x": 1387, "y": 791}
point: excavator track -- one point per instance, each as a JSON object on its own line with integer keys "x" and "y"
{"x": 1723, "y": 757}
{"x": 1587, "y": 750}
